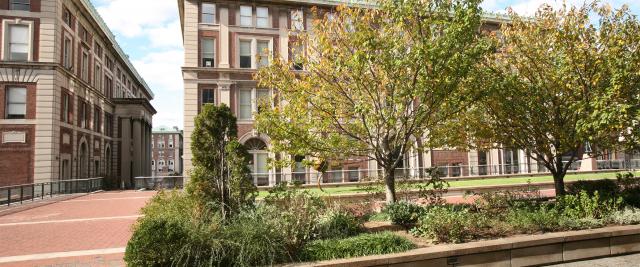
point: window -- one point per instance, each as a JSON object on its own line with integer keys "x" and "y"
{"x": 108, "y": 124}
{"x": 296, "y": 57}
{"x": 67, "y": 53}
{"x": 258, "y": 161}
{"x": 84, "y": 74}
{"x": 84, "y": 114}
{"x": 245, "y": 54}
{"x": 297, "y": 20}
{"x": 249, "y": 100}
{"x": 246, "y": 16}
{"x": 208, "y": 13}
{"x": 16, "y": 106}
{"x": 66, "y": 107}
{"x": 208, "y": 52}
{"x": 97, "y": 124}
{"x": 97, "y": 49}
{"x": 84, "y": 34}
{"x": 66, "y": 17}
{"x": 98, "y": 77}
{"x": 262, "y": 17}
{"x": 20, "y": 5}
{"x": 108, "y": 86}
{"x": 244, "y": 109}
{"x": 264, "y": 52}
{"x": 18, "y": 45}
{"x": 208, "y": 96}
{"x": 262, "y": 97}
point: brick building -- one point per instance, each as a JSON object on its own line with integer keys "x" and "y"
{"x": 222, "y": 40}
{"x": 73, "y": 105}
{"x": 166, "y": 157}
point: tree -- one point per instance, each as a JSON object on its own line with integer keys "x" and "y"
{"x": 374, "y": 81}
{"x": 557, "y": 81}
{"x": 220, "y": 178}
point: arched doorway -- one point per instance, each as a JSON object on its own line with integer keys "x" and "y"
{"x": 83, "y": 161}
{"x": 258, "y": 161}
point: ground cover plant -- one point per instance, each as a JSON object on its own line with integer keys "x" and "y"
{"x": 505, "y": 213}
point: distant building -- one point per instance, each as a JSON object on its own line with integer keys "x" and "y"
{"x": 72, "y": 105}
{"x": 167, "y": 152}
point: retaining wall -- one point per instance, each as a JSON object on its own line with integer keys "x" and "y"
{"x": 530, "y": 250}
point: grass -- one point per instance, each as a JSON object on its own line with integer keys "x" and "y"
{"x": 344, "y": 190}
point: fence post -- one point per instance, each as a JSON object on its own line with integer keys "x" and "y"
{"x": 33, "y": 192}
{"x": 42, "y": 191}
{"x": 21, "y": 193}
{"x": 9, "y": 197}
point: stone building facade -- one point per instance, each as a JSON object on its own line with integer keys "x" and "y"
{"x": 73, "y": 105}
{"x": 167, "y": 151}
{"x": 222, "y": 41}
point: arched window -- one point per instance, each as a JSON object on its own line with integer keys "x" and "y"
{"x": 258, "y": 161}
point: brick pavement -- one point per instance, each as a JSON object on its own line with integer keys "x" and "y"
{"x": 91, "y": 230}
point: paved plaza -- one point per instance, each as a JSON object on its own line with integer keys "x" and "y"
{"x": 90, "y": 230}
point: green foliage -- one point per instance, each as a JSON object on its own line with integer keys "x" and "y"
{"x": 540, "y": 219}
{"x": 583, "y": 205}
{"x": 450, "y": 224}
{"x": 297, "y": 212}
{"x": 364, "y": 82}
{"x": 629, "y": 189}
{"x": 220, "y": 178}
{"x": 337, "y": 224}
{"x": 433, "y": 189}
{"x": 558, "y": 81}
{"x": 625, "y": 216}
{"x": 497, "y": 202}
{"x": 607, "y": 188}
{"x": 361, "y": 245}
{"x": 404, "y": 213}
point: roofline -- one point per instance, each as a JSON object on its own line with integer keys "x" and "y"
{"x": 486, "y": 16}
{"x": 123, "y": 56}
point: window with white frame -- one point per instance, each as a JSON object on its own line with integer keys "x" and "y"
{"x": 17, "y": 42}
{"x": 254, "y": 52}
{"x": 263, "y": 52}
{"x": 208, "y": 52}
{"x": 16, "y": 103}
{"x": 245, "y": 54}
{"x": 297, "y": 20}
{"x": 262, "y": 17}
{"x": 208, "y": 13}
{"x": 246, "y": 16}
{"x": 24, "y": 5}
{"x": 67, "y": 48}
{"x": 249, "y": 101}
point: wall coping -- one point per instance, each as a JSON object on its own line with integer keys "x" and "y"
{"x": 483, "y": 246}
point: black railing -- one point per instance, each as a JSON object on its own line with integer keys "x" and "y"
{"x": 159, "y": 182}
{"x": 31, "y": 192}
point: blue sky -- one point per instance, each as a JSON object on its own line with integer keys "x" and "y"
{"x": 149, "y": 32}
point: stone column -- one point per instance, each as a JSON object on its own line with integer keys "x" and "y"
{"x": 225, "y": 92}
{"x": 224, "y": 38}
{"x": 137, "y": 148}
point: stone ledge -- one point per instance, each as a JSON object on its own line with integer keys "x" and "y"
{"x": 547, "y": 248}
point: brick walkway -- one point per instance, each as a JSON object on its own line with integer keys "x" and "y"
{"x": 87, "y": 231}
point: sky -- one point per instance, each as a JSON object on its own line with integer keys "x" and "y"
{"x": 149, "y": 32}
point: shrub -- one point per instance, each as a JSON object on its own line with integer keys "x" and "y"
{"x": 626, "y": 216}
{"x": 404, "y": 213}
{"x": 496, "y": 202}
{"x": 607, "y": 188}
{"x": 450, "y": 224}
{"x": 337, "y": 224}
{"x": 539, "y": 219}
{"x": 296, "y": 212}
{"x": 361, "y": 245}
{"x": 630, "y": 189}
{"x": 583, "y": 205}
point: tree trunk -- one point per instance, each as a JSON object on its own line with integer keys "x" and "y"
{"x": 558, "y": 181}
{"x": 390, "y": 183}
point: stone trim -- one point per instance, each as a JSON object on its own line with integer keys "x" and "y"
{"x": 513, "y": 251}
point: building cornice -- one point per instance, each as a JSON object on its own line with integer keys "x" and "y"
{"x": 114, "y": 44}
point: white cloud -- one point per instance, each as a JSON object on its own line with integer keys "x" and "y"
{"x": 168, "y": 35}
{"x": 131, "y": 18}
{"x": 162, "y": 71}
{"x": 529, "y": 7}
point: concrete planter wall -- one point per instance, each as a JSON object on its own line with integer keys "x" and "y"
{"x": 513, "y": 251}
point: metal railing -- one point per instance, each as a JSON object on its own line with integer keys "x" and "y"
{"x": 31, "y": 192}
{"x": 448, "y": 172}
{"x": 159, "y": 182}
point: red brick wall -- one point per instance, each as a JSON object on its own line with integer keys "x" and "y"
{"x": 16, "y": 160}
{"x": 449, "y": 157}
